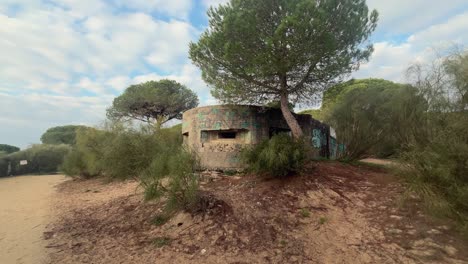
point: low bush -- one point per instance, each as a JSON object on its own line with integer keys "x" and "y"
{"x": 74, "y": 165}
{"x": 161, "y": 241}
{"x": 118, "y": 151}
{"x": 438, "y": 171}
{"x": 3, "y": 166}
{"x": 159, "y": 220}
{"x": 127, "y": 153}
{"x": 279, "y": 156}
{"x": 305, "y": 212}
{"x": 436, "y": 164}
{"x": 85, "y": 158}
{"x": 156, "y": 157}
{"x": 182, "y": 191}
{"x": 173, "y": 174}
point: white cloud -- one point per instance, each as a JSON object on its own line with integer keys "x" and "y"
{"x": 214, "y": 3}
{"x": 189, "y": 75}
{"x": 119, "y": 83}
{"x": 389, "y": 61}
{"x": 55, "y": 54}
{"x": 453, "y": 30}
{"x": 91, "y": 86}
{"x": 403, "y": 16}
{"x": 49, "y": 47}
{"x": 26, "y": 116}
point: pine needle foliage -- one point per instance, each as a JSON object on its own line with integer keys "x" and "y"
{"x": 278, "y": 157}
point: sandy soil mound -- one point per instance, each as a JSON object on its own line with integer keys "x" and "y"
{"x": 334, "y": 214}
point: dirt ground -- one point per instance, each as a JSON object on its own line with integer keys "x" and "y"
{"x": 334, "y": 213}
{"x": 25, "y": 203}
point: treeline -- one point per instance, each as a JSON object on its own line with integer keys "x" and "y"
{"x": 43, "y": 158}
{"x": 39, "y": 159}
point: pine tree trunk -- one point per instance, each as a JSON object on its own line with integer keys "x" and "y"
{"x": 296, "y": 130}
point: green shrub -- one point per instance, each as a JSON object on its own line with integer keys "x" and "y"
{"x": 161, "y": 241}
{"x": 118, "y": 151}
{"x": 127, "y": 153}
{"x": 3, "y": 166}
{"x": 438, "y": 171}
{"x": 376, "y": 118}
{"x": 279, "y": 156}
{"x": 323, "y": 220}
{"x": 173, "y": 174}
{"x": 41, "y": 159}
{"x": 74, "y": 165}
{"x": 183, "y": 181}
{"x": 436, "y": 164}
{"x": 85, "y": 158}
{"x": 159, "y": 220}
{"x": 154, "y": 156}
{"x": 305, "y": 212}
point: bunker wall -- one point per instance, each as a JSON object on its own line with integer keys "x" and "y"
{"x": 218, "y": 133}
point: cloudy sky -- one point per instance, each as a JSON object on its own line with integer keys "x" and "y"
{"x": 63, "y": 61}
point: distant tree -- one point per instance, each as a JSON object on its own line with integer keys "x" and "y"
{"x": 331, "y": 96}
{"x": 61, "y": 135}
{"x": 375, "y": 117}
{"x": 315, "y": 113}
{"x": 153, "y": 102}
{"x": 258, "y": 51}
{"x": 7, "y": 149}
{"x": 456, "y": 67}
{"x": 277, "y": 104}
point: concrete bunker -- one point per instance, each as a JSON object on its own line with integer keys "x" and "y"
{"x": 218, "y": 133}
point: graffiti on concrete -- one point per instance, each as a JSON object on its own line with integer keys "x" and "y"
{"x": 341, "y": 149}
{"x": 206, "y": 128}
{"x": 333, "y": 147}
{"x": 319, "y": 139}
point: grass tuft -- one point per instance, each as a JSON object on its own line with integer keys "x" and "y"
{"x": 323, "y": 220}
{"x": 305, "y": 212}
{"x": 161, "y": 241}
{"x": 160, "y": 220}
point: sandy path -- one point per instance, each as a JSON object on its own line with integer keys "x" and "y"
{"x": 384, "y": 162}
{"x": 25, "y": 210}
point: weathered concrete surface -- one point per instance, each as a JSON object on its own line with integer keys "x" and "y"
{"x": 218, "y": 133}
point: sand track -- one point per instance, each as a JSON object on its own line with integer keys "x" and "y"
{"x": 25, "y": 210}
